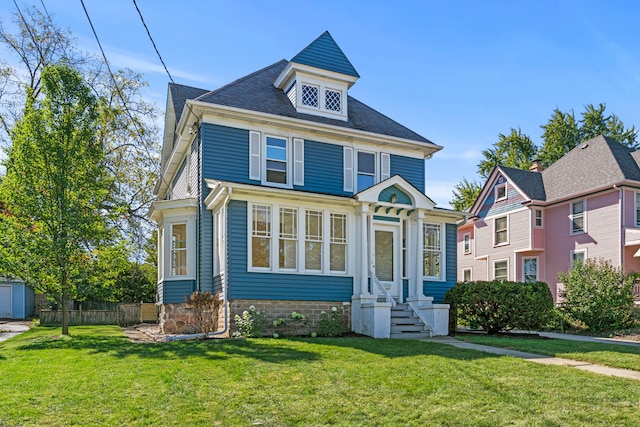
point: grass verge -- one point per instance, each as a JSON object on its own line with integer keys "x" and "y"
{"x": 615, "y": 356}
{"x": 97, "y": 377}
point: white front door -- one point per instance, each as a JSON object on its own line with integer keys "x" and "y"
{"x": 5, "y": 302}
{"x": 386, "y": 265}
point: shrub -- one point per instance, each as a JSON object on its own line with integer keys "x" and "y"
{"x": 205, "y": 310}
{"x": 502, "y": 305}
{"x": 333, "y": 324}
{"x": 250, "y": 324}
{"x": 599, "y": 295}
{"x": 295, "y": 326}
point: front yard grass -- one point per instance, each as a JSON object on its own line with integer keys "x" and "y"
{"x": 98, "y": 377}
{"x": 613, "y": 355}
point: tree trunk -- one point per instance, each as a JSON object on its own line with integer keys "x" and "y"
{"x": 65, "y": 305}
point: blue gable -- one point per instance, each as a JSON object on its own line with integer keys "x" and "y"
{"x": 325, "y": 54}
{"x": 387, "y": 194}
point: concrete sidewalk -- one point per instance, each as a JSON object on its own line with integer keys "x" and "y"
{"x": 9, "y": 329}
{"x": 538, "y": 358}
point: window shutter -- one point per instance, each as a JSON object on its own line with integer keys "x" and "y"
{"x": 298, "y": 161}
{"x": 348, "y": 169}
{"x": 254, "y": 155}
{"x": 385, "y": 166}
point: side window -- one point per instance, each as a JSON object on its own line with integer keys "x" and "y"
{"x": 530, "y": 270}
{"x": 538, "y": 218}
{"x": 501, "y": 270}
{"x": 577, "y": 217}
{"x": 501, "y": 231}
{"x": 467, "y": 243}
{"x": 276, "y": 160}
{"x": 366, "y": 176}
{"x": 179, "y": 249}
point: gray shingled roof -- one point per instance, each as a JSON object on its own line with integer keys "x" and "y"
{"x": 595, "y": 163}
{"x": 256, "y": 92}
{"x": 529, "y": 182}
{"x": 180, "y": 94}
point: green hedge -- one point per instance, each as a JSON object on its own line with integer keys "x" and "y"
{"x": 502, "y": 305}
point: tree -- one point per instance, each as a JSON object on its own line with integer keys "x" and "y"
{"x": 515, "y": 150}
{"x": 562, "y": 133}
{"x": 465, "y": 194}
{"x": 128, "y": 131}
{"x": 55, "y": 187}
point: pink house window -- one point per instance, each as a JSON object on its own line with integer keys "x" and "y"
{"x": 577, "y": 217}
{"x": 501, "y": 232}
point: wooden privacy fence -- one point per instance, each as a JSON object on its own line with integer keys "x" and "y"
{"x": 122, "y": 314}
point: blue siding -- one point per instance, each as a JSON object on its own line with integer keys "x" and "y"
{"x": 492, "y": 207}
{"x": 410, "y": 169}
{"x": 323, "y": 168}
{"x": 274, "y": 286}
{"x": 17, "y": 301}
{"x": 387, "y": 193}
{"x": 175, "y": 291}
{"x": 325, "y": 54}
{"x": 225, "y": 154}
{"x": 438, "y": 289}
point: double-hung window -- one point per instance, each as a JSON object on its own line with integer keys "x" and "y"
{"x": 467, "y": 243}
{"x": 313, "y": 240}
{"x": 432, "y": 250}
{"x": 288, "y": 245}
{"x": 577, "y": 256}
{"x": 501, "y": 270}
{"x": 637, "y": 209}
{"x": 577, "y": 217}
{"x": 338, "y": 245}
{"x": 538, "y": 218}
{"x": 276, "y": 160}
{"x": 179, "y": 249}
{"x": 366, "y": 176}
{"x": 466, "y": 275}
{"x": 261, "y": 237}
{"x": 501, "y": 231}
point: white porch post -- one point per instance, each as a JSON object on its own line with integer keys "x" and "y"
{"x": 364, "y": 249}
{"x": 419, "y": 265}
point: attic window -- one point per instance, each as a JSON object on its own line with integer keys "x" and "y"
{"x": 501, "y": 191}
{"x": 332, "y": 100}
{"x": 310, "y": 95}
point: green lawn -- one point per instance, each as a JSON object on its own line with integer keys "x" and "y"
{"x": 615, "y": 356}
{"x": 97, "y": 377}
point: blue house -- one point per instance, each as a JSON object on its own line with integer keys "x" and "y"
{"x": 283, "y": 192}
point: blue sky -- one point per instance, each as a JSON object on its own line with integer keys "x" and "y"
{"x": 457, "y": 72}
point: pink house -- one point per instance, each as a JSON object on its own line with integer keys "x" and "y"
{"x": 531, "y": 225}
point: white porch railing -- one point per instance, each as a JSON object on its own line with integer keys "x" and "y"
{"x": 384, "y": 290}
{"x": 416, "y": 310}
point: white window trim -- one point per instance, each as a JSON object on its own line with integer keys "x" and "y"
{"x": 493, "y": 271}
{"x": 167, "y": 250}
{"x": 356, "y": 172}
{"x": 584, "y": 217}
{"x": 496, "y": 188}
{"x": 470, "y": 270}
{"x": 495, "y": 236}
{"x": 524, "y": 259}
{"x": 465, "y": 250}
{"x": 443, "y": 252}
{"x": 263, "y": 162}
{"x": 576, "y": 251}
{"x": 322, "y": 85}
{"x": 541, "y": 218}
{"x": 300, "y": 259}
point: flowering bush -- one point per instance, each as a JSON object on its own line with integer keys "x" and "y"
{"x": 333, "y": 324}
{"x": 250, "y": 324}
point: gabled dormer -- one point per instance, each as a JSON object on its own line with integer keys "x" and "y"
{"x": 318, "y": 78}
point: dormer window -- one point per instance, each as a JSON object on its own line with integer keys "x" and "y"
{"x": 310, "y": 95}
{"x": 332, "y": 100}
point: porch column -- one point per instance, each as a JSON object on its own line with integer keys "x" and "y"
{"x": 419, "y": 265}
{"x": 364, "y": 249}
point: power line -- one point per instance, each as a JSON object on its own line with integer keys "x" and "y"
{"x": 118, "y": 90}
{"x": 153, "y": 42}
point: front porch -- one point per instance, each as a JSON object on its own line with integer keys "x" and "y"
{"x": 402, "y": 245}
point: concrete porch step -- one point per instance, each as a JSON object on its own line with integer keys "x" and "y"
{"x": 407, "y": 328}
{"x": 413, "y": 320}
{"x": 410, "y": 336}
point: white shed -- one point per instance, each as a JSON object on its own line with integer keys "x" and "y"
{"x": 17, "y": 301}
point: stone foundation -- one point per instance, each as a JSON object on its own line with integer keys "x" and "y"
{"x": 179, "y": 318}
{"x": 275, "y": 310}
